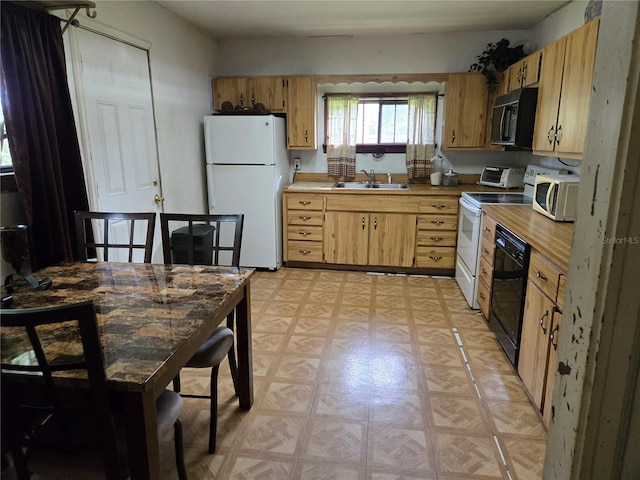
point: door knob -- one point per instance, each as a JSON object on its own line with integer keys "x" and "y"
{"x": 158, "y": 199}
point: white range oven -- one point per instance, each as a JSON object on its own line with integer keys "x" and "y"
{"x": 468, "y": 256}
{"x": 468, "y": 246}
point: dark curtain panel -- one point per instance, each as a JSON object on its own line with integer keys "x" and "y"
{"x": 41, "y": 131}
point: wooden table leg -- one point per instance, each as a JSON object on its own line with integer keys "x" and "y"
{"x": 141, "y": 430}
{"x": 245, "y": 356}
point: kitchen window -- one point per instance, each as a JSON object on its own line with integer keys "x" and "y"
{"x": 382, "y": 123}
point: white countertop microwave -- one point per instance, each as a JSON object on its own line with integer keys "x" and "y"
{"x": 556, "y": 196}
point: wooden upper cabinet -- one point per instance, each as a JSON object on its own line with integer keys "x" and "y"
{"x": 526, "y": 72}
{"x": 301, "y": 112}
{"x": 230, "y": 89}
{"x": 579, "y": 60}
{"x": 564, "y": 92}
{"x": 267, "y": 90}
{"x": 247, "y": 91}
{"x": 466, "y": 98}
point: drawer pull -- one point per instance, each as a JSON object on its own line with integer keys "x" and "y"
{"x": 544, "y": 329}
{"x": 439, "y": 206}
{"x": 541, "y": 276}
{"x": 552, "y": 337}
{"x": 305, "y": 234}
{"x": 487, "y": 229}
{"x": 304, "y": 218}
{"x": 481, "y": 295}
{"x": 437, "y": 239}
{"x": 484, "y": 250}
{"x": 437, "y": 222}
{"x": 304, "y": 202}
{"x": 484, "y": 272}
{"x": 435, "y": 259}
{"x": 305, "y": 252}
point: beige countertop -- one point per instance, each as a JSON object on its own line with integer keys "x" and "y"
{"x": 552, "y": 239}
{"x": 416, "y": 189}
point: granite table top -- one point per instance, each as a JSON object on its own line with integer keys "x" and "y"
{"x": 145, "y": 312}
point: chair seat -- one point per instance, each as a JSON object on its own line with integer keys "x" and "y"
{"x": 213, "y": 350}
{"x": 168, "y": 407}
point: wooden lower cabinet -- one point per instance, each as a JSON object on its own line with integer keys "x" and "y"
{"x": 358, "y": 238}
{"x": 303, "y": 214}
{"x": 437, "y": 232}
{"x": 540, "y": 329}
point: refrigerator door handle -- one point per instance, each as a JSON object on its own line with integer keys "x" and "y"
{"x": 210, "y": 189}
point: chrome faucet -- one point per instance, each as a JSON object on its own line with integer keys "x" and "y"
{"x": 371, "y": 175}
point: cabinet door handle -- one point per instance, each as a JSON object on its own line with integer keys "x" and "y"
{"x": 439, "y": 206}
{"x": 481, "y": 295}
{"x": 484, "y": 250}
{"x": 304, "y": 218}
{"x": 305, "y": 234}
{"x": 304, "y": 202}
{"x": 524, "y": 73}
{"x": 362, "y": 222}
{"x": 559, "y": 134}
{"x": 437, "y": 239}
{"x": 544, "y": 329}
{"x": 305, "y": 252}
{"x": 375, "y": 223}
{"x": 437, "y": 222}
{"x": 242, "y": 99}
{"x": 552, "y": 337}
{"x": 453, "y": 136}
{"x": 435, "y": 259}
{"x": 549, "y": 135}
{"x": 484, "y": 272}
{"x": 306, "y": 135}
{"x": 487, "y": 229}
{"x": 541, "y": 276}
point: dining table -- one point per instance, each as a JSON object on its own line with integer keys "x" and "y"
{"x": 151, "y": 318}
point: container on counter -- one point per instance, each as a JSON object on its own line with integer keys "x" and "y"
{"x": 450, "y": 179}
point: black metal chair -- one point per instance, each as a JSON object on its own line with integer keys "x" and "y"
{"x": 108, "y": 223}
{"x": 59, "y": 344}
{"x": 200, "y": 239}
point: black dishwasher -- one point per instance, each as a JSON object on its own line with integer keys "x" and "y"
{"x": 508, "y": 290}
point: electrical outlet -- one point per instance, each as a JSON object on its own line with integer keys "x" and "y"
{"x": 296, "y": 164}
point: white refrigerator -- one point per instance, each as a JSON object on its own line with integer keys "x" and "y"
{"x": 247, "y": 166}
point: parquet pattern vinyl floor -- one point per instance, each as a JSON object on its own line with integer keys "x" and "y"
{"x": 365, "y": 377}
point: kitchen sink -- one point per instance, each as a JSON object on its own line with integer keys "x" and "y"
{"x": 375, "y": 186}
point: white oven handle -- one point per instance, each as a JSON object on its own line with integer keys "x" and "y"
{"x": 467, "y": 206}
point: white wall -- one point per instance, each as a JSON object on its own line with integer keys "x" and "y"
{"x": 182, "y": 59}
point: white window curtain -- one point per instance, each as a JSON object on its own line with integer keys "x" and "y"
{"x": 421, "y": 132}
{"x": 341, "y": 135}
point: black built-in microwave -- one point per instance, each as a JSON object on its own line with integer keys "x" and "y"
{"x": 514, "y": 116}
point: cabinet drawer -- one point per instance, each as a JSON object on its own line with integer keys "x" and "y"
{"x": 435, "y": 257}
{"x": 438, "y": 222}
{"x": 303, "y": 217}
{"x": 487, "y": 249}
{"x": 300, "y": 251}
{"x": 484, "y": 297}
{"x": 485, "y": 271}
{"x": 437, "y": 238}
{"x": 488, "y": 227}
{"x": 544, "y": 275}
{"x": 306, "y": 201}
{"x": 304, "y": 233}
{"x": 562, "y": 288}
{"x": 439, "y": 205}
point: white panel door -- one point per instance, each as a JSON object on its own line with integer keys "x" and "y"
{"x": 118, "y": 111}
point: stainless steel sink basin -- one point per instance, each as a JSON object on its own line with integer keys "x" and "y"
{"x": 375, "y": 186}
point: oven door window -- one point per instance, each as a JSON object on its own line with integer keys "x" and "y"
{"x": 468, "y": 237}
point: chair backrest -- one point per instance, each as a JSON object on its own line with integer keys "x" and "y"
{"x": 201, "y": 239}
{"x": 46, "y": 347}
{"x": 116, "y": 238}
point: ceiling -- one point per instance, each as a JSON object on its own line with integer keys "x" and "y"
{"x": 233, "y": 19}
